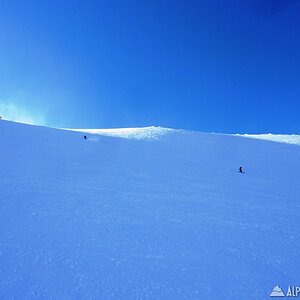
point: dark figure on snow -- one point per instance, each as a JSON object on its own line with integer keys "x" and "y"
{"x": 85, "y": 137}
{"x": 241, "y": 170}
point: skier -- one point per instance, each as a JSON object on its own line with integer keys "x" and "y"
{"x": 241, "y": 170}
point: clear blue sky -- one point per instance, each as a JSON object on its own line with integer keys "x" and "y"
{"x": 217, "y": 65}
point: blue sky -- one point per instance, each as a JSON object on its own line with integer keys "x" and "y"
{"x": 223, "y": 66}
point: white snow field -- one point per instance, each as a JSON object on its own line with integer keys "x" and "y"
{"x": 168, "y": 217}
{"x": 281, "y": 138}
{"x": 150, "y": 132}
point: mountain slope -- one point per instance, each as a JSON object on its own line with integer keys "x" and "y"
{"x": 163, "y": 218}
{"x": 281, "y": 138}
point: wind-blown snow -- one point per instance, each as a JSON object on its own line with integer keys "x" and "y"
{"x": 154, "y": 132}
{"x": 169, "y": 218}
{"x": 151, "y": 132}
{"x": 281, "y": 138}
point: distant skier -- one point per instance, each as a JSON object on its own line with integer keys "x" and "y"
{"x": 241, "y": 170}
{"x": 84, "y": 137}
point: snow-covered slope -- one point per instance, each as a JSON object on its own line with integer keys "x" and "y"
{"x": 151, "y": 132}
{"x": 162, "y": 218}
{"x": 281, "y": 138}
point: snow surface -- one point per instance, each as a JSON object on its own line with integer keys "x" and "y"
{"x": 164, "y": 218}
{"x": 151, "y": 132}
{"x": 281, "y": 138}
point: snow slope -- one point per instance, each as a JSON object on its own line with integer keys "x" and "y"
{"x": 162, "y": 218}
{"x": 281, "y": 138}
{"x": 151, "y": 132}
